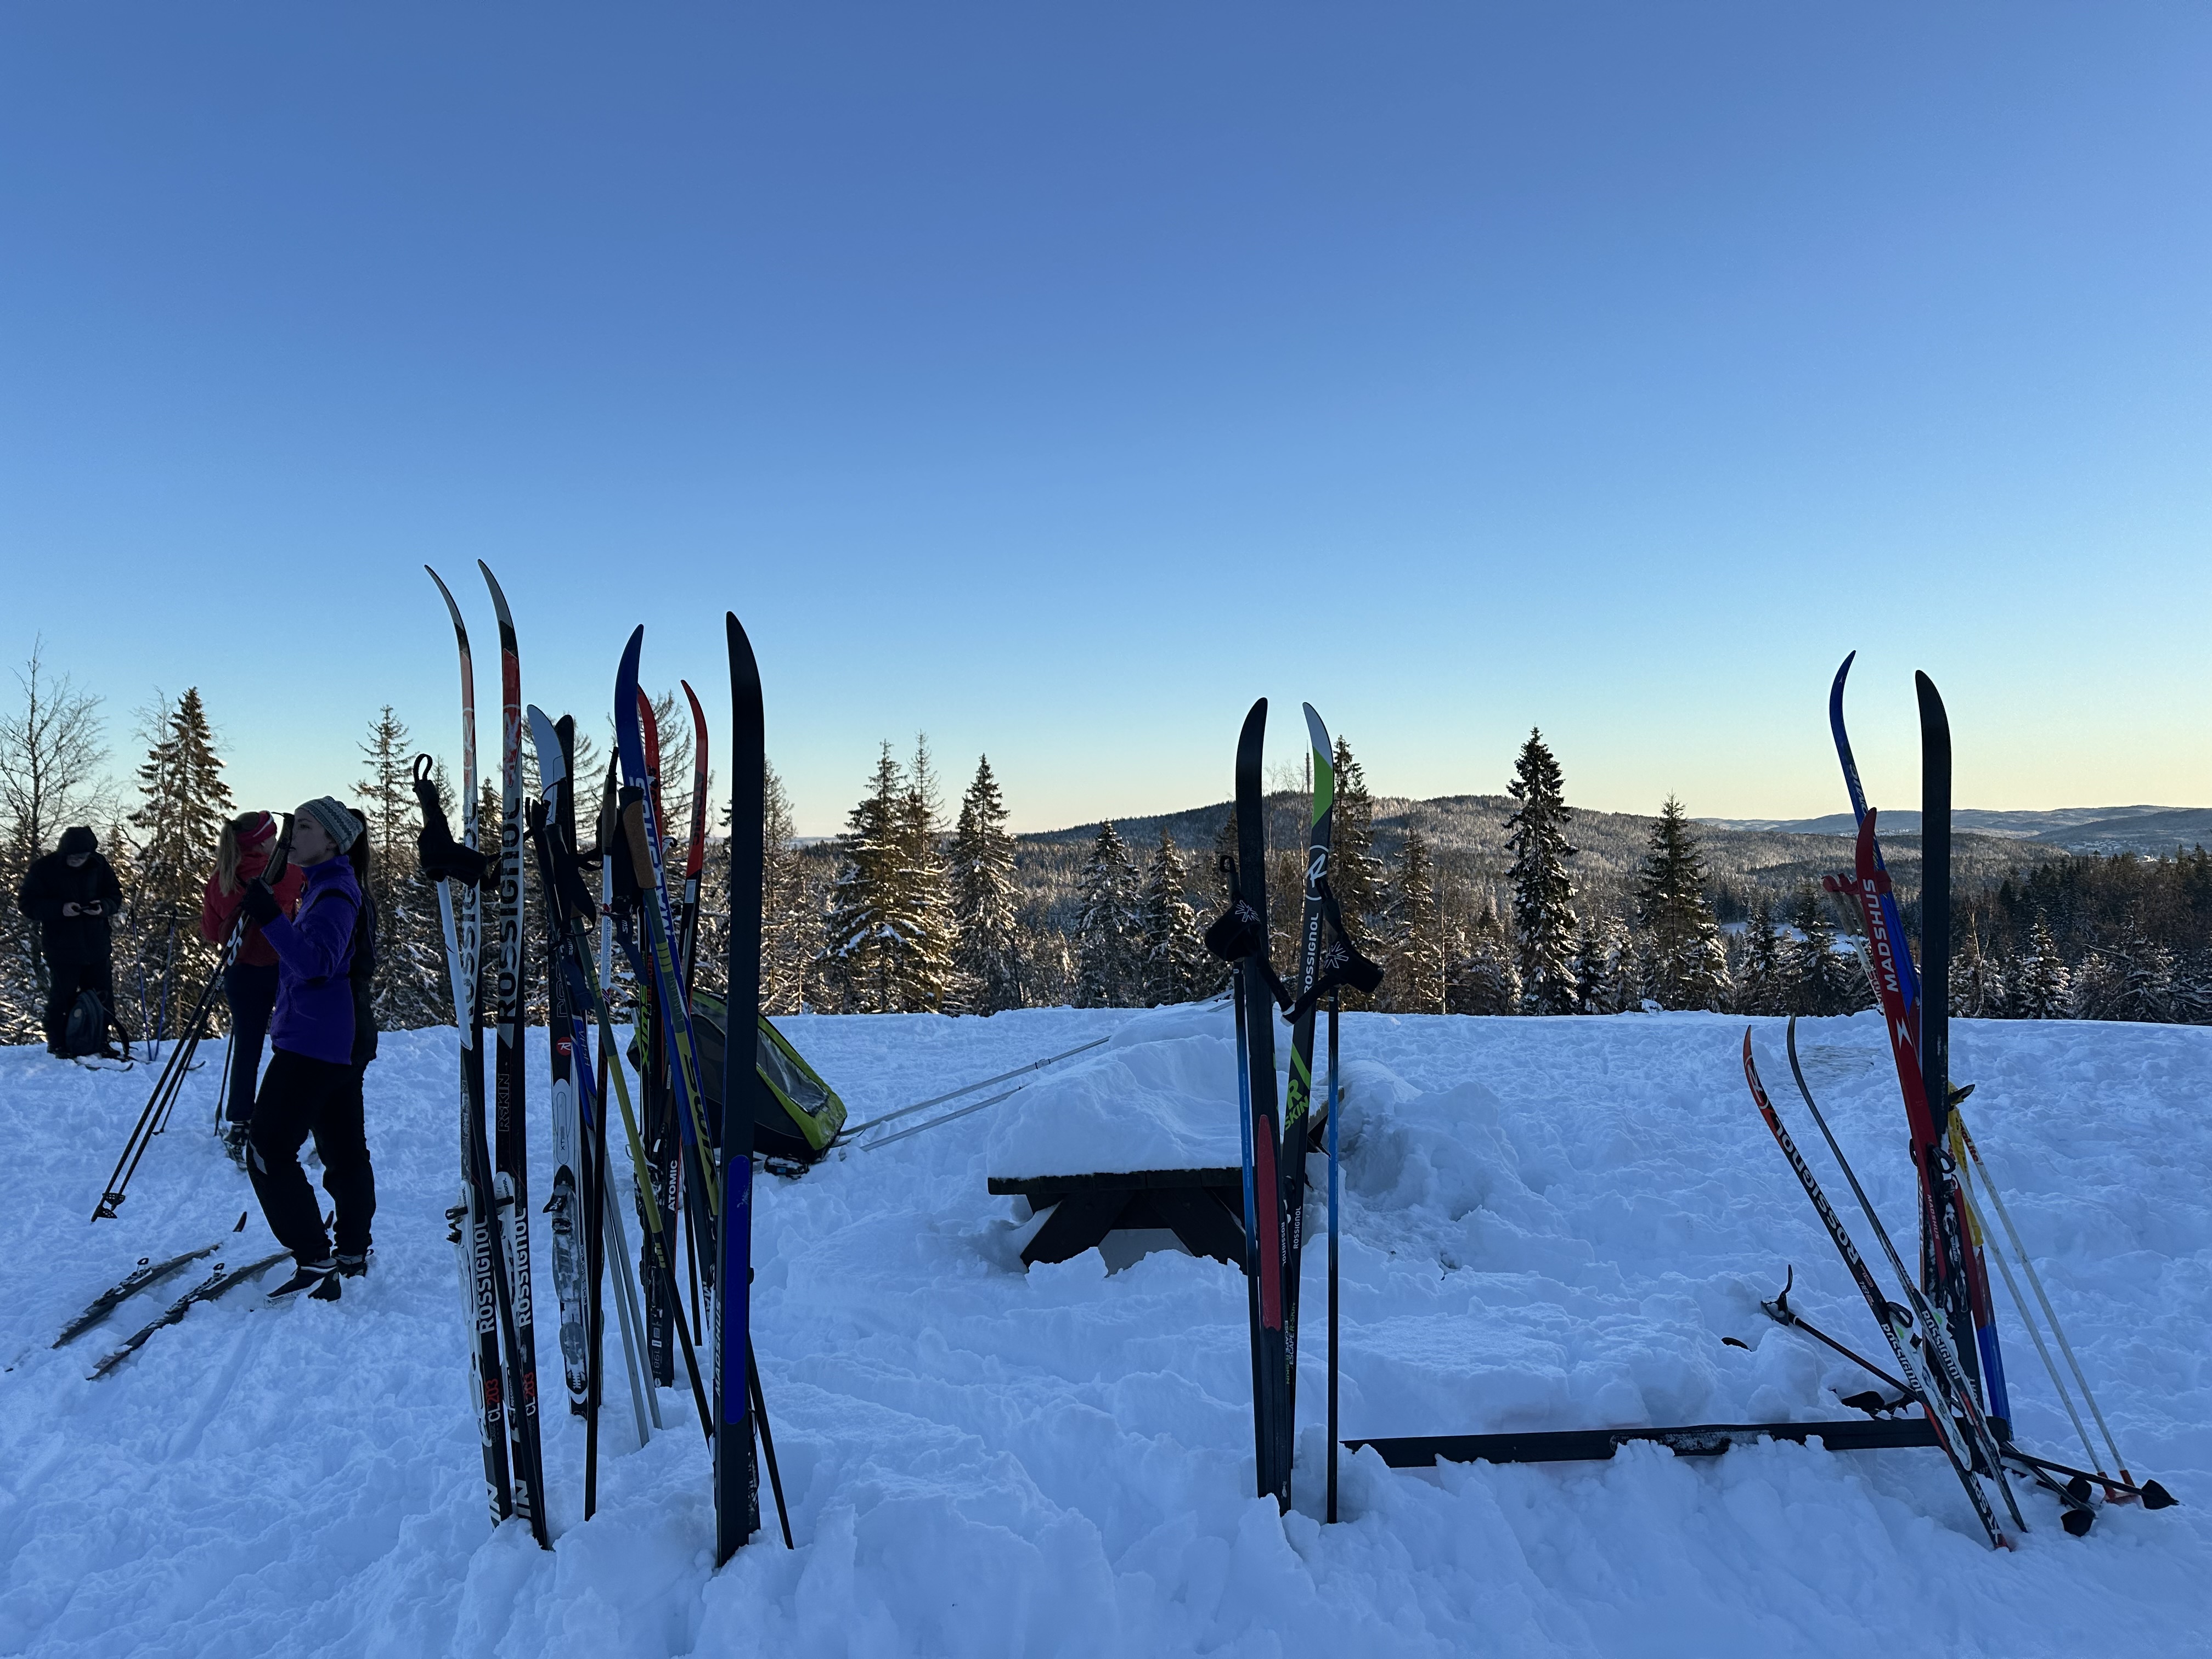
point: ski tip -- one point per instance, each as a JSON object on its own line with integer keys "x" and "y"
{"x": 744, "y": 666}
{"x": 451, "y": 604}
{"x": 498, "y": 597}
{"x": 552, "y": 770}
{"x": 1932, "y": 715}
{"x": 1317, "y": 732}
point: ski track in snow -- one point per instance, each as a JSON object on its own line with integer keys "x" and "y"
{"x": 1550, "y": 1224}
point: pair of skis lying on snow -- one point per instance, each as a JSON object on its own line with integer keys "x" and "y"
{"x": 150, "y": 1272}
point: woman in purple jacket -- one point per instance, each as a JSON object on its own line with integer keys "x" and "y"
{"x": 312, "y": 1085}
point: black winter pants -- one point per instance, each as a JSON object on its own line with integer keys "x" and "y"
{"x": 251, "y": 990}
{"x": 299, "y": 1098}
{"x": 65, "y": 980}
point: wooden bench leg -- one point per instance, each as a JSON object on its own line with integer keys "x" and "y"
{"x": 1077, "y": 1223}
{"x": 1205, "y": 1227}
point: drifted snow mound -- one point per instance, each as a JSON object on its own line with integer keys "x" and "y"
{"x": 1161, "y": 1095}
{"x": 1547, "y": 1223}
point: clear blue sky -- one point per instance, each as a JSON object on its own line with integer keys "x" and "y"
{"x": 1056, "y": 378}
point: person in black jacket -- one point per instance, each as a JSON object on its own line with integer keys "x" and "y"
{"x": 72, "y": 893}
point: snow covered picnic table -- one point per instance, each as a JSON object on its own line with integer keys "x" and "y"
{"x": 1137, "y": 1135}
{"x": 1203, "y": 1209}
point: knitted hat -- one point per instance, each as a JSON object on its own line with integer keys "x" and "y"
{"x": 338, "y": 823}
{"x": 78, "y": 839}
{"x": 264, "y": 826}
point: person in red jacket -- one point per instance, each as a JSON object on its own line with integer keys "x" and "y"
{"x": 250, "y": 981}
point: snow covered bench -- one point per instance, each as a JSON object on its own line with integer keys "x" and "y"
{"x": 1137, "y": 1135}
{"x": 1204, "y": 1209}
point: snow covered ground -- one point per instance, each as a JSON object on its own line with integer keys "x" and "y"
{"x": 1551, "y": 1224}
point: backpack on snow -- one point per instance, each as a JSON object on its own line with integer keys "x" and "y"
{"x": 796, "y": 1115}
{"x": 86, "y": 1034}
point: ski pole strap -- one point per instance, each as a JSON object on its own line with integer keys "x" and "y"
{"x": 1237, "y": 935}
{"x": 443, "y": 859}
{"x": 557, "y": 866}
{"x": 1340, "y": 963}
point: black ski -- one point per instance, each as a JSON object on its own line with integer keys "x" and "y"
{"x": 1239, "y": 935}
{"x": 737, "y": 1467}
{"x": 147, "y": 1273}
{"x": 569, "y": 1208}
{"x": 206, "y": 1290}
{"x": 1966, "y": 1300}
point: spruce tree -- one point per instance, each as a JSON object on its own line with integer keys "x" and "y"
{"x": 1818, "y": 979}
{"x": 1686, "y": 966}
{"x": 923, "y": 915}
{"x": 790, "y": 909}
{"x": 986, "y": 899}
{"x": 857, "y": 964}
{"x": 1108, "y": 929}
{"x": 1485, "y": 978}
{"x": 1048, "y": 969}
{"x": 2041, "y": 987}
{"x": 2137, "y": 983}
{"x": 1415, "y": 955}
{"x": 1590, "y": 968}
{"x": 410, "y": 987}
{"x": 1978, "y": 989}
{"x": 1356, "y": 875}
{"x": 1174, "y": 965}
{"x": 1543, "y": 896}
{"x": 1762, "y": 987}
{"x": 183, "y": 804}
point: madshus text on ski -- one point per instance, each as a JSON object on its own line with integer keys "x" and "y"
{"x": 1943, "y": 1339}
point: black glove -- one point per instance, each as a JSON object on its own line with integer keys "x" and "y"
{"x": 443, "y": 858}
{"x": 258, "y": 902}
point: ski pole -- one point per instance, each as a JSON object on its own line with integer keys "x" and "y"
{"x": 936, "y": 1122}
{"x": 642, "y": 1172}
{"x": 1997, "y": 1201}
{"x": 852, "y": 1130}
{"x": 768, "y": 1440}
{"x": 1781, "y": 1312}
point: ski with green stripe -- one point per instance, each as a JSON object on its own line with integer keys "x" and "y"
{"x": 1298, "y": 1099}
